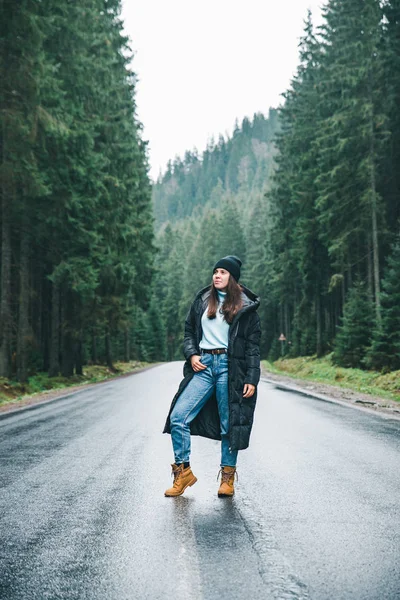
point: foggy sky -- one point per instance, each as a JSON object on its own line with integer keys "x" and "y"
{"x": 201, "y": 65}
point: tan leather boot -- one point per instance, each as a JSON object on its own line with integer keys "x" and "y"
{"x": 227, "y": 481}
{"x": 183, "y": 478}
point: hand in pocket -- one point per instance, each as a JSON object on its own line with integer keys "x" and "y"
{"x": 197, "y": 365}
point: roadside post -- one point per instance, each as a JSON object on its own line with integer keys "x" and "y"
{"x": 282, "y": 340}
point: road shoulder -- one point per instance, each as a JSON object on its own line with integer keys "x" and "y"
{"x": 331, "y": 393}
{"x": 35, "y": 400}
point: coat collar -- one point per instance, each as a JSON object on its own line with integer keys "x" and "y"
{"x": 250, "y": 300}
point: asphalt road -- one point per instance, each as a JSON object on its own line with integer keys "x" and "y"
{"x": 83, "y": 515}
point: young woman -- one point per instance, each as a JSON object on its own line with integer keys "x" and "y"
{"x": 217, "y": 397}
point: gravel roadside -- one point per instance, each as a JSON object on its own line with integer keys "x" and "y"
{"x": 27, "y": 402}
{"x": 334, "y": 393}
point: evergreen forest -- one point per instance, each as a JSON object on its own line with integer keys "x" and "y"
{"x": 97, "y": 264}
{"x": 77, "y": 242}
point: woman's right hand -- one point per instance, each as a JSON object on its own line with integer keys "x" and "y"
{"x": 197, "y": 365}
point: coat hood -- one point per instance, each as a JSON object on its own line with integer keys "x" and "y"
{"x": 250, "y": 300}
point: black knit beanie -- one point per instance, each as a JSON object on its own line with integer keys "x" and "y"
{"x": 231, "y": 264}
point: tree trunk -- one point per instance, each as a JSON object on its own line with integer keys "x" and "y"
{"x": 375, "y": 244}
{"x": 170, "y": 348}
{"x": 127, "y": 345}
{"x": 44, "y": 325}
{"x": 282, "y": 325}
{"x": 328, "y": 321}
{"x": 94, "y": 349}
{"x": 343, "y": 296}
{"x": 24, "y": 332}
{"x": 108, "y": 351}
{"x": 343, "y": 287}
{"x": 5, "y": 286}
{"x": 67, "y": 354}
{"x": 67, "y": 343}
{"x": 281, "y": 317}
{"x": 287, "y": 321}
{"x": 349, "y": 275}
{"x": 338, "y": 308}
{"x": 318, "y": 315}
{"x": 376, "y": 263}
{"x": 54, "y": 368}
{"x": 36, "y": 303}
{"x": 370, "y": 269}
{"x": 79, "y": 357}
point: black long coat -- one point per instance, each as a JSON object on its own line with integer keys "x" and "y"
{"x": 243, "y": 367}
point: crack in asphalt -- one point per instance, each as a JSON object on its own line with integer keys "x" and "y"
{"x": 275, "y": 570}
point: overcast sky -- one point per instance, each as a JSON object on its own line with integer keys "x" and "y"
{"x": 201, "y": 65}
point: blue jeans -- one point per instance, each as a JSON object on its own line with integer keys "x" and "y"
{"x": 191, "y": 401}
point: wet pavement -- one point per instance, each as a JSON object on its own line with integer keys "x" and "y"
{"x": 83, "y": 515}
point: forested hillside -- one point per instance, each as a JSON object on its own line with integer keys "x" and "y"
{"x": 243, "y": 161}
{"x": 76, "y": 219}
{"x": 320, "y": 243}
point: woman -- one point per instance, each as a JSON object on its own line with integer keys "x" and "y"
{"x": 217, "y": 396}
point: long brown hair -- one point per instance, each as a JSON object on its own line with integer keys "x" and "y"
{"x": 232, "y": 303}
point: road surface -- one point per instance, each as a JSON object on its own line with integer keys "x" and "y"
{"x": 83, "y": 515}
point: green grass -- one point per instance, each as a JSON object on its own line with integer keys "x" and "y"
{"x": 322, "y": 370}
{"x": 13, "y": 391}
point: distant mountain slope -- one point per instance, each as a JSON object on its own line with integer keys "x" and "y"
{"x": 242, "y": 162}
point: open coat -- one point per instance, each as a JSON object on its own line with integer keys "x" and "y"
{"x": 243, "y": 367}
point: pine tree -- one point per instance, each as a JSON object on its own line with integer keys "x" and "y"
{"x": 140, "y": 334}
{"x": 351, "y": 139}
{"x": 390, "y": 169}
{"x": 156, "y": 342}
{"x": 230, "y": 235}
{"x": 385, "y": 347}
{"x": 174, "y": 281}
{"x": 257, "y": 270}
{"x": 355, "y": 332}
{"x": 308, "y": 250}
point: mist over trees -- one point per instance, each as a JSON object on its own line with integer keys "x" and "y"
{"x": 241, "y": 162}
{"x": 314, "y": 210}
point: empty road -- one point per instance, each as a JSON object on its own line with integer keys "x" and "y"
{"x": 83, "y": 515}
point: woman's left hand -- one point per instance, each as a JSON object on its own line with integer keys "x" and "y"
{"x": 248, "y": 390}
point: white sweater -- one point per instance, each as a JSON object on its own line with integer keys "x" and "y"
{"x": 215, "y": 331}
